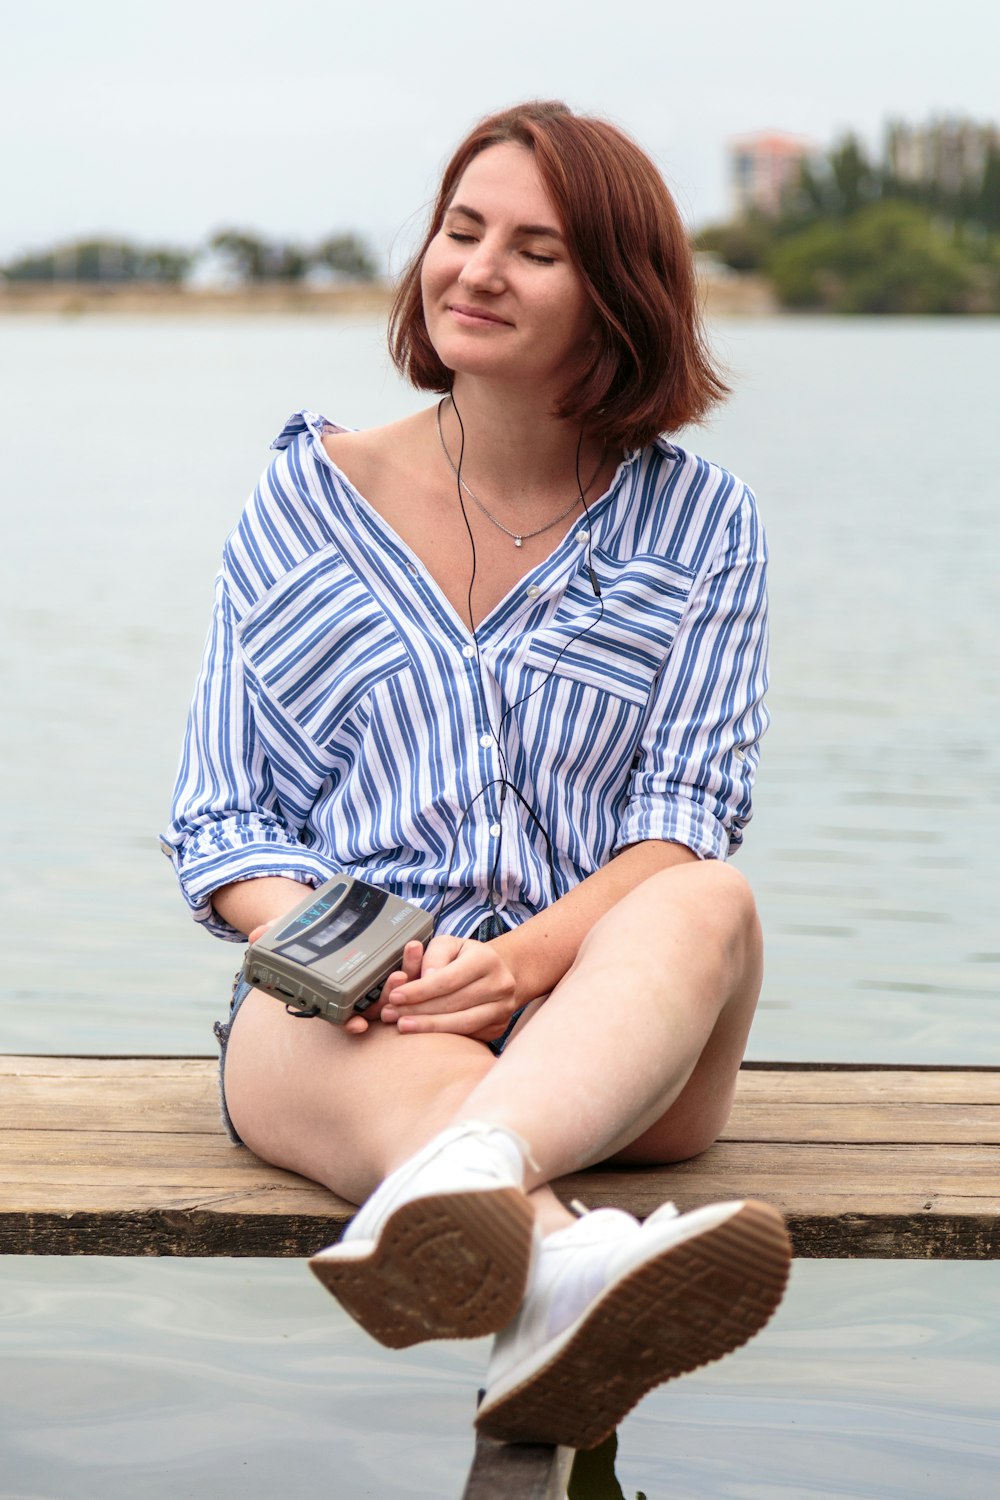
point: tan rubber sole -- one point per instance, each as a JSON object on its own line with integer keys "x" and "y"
{"x": 452, "y": 1266}
{"x": 697, "y": 1302}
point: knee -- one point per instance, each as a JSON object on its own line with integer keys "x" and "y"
{"x": 690, "y": 1127}
{"x": 717, "y": 901}
{"x": 731, "y": 898}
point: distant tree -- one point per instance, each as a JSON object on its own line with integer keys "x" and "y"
{"x": 743, "y": 244}
{"x": 167, "y": 265}
{"x": 856, "y": 180}
{"x": 250, "y": 257}
{"x": 889, "y": 258}
{"x": 809, "y": 199}
{"x": 347, "y": 254}
{"x": 833, "y": 186}
{"x": 989, "y": 193}
{"x": 255, "y": 259}
{"x": 101, "y": 260}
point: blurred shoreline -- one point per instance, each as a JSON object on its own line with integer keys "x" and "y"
{"x": 732, "y": 295}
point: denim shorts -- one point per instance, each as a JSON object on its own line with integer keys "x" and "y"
{"x": 492, "y": 927}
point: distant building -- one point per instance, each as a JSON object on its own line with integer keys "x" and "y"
{"x": 763, "y": 168}
{"x": 949, "y": 154}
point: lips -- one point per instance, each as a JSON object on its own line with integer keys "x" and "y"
{"x": 465, "y": 313}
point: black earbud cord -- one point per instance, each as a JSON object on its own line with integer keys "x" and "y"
{"x": 503, "y": 781}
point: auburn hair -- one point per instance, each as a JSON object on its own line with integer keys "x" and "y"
{"x": 650, "y": 370}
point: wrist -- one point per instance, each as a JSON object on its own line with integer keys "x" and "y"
{"x": 515, "y": 955}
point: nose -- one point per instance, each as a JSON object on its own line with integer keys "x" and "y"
{"x": 482, "y": 271}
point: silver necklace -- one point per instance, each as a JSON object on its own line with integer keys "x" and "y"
{"x": 518, "y": 537}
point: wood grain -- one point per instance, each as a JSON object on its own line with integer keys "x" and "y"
{"x": 126, "y": 1156}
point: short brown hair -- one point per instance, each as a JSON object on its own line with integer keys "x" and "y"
{"x": 650, "y": 370}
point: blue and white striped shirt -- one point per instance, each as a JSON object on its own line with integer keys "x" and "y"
{"x": 342, "y": 722}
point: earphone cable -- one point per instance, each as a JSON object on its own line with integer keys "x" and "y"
{"x": 503, "y": 781}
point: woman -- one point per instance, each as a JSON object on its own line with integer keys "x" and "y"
{"x": 505, "y": 658}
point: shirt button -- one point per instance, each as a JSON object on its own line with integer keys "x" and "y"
{"x": 583, "y": 536}
{"x": 740, "y": 753}
{"x": 166, "y": 848}
{"x": 485, "y": 740}
{"x": 495, "y": 830}
{"x": 533, "y": 591}
{"x": 412, "y": 568}
{"x": 469, "y": 652}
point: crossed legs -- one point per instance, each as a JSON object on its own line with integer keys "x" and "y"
{"x": 633, "y": 1056}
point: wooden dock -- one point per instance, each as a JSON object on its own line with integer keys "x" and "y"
{"x": 126, "y": 1156}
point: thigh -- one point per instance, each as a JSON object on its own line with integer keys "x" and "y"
{"x": 699, "y": 1113}
{"x": 341, "y": 1109}
{"x": 699, "y": 924}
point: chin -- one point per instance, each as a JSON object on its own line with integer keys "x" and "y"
{"x": 477, "y": 363}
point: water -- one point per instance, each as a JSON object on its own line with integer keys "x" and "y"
{"x": 129, "y": 446}
{"x": 236, "y": 1378}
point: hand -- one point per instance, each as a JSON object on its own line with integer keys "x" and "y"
{"x": 462, "y": 986}
{"x": 412, "y": 957}
{"x": 356, "y": 1025}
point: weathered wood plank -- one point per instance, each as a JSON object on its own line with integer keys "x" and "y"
{"x": 78, "y": 1161}
{"x": 126, "y": 1156}
{"x": 179, "y": 1095}
{"x": 867, "y": 1121}
{"x": 831, "y": 1086}
{"x": 517, "y": 1471}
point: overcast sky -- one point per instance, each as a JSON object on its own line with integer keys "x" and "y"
{"x": 165, "y": 122}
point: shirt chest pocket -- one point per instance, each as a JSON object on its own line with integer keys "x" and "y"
{"x": 319, "y": 645}
{"x": 618, "y": 642}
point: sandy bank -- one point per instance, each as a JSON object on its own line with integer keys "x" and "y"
{"x": 77, "y": 298}
{"x": 731, "y": 296}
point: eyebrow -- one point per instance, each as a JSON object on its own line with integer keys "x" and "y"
{"x": 477, "y": 218}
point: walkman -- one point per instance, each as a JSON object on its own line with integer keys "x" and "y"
{"x": 330, "y": 955}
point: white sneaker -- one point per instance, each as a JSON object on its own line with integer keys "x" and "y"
{"x": 441, "y": 1249}
{"x": 614, "y": 1308}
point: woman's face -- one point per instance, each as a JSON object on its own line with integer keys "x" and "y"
{"x": 502, "y": 299}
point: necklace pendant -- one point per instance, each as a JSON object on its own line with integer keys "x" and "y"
{"x": 518, "y": 540}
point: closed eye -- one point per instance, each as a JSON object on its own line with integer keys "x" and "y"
{"x": 541, "y": 260}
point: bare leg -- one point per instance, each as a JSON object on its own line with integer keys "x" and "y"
{"x": 634, "y": 1055}
{"x": 342, "y": 1110}
{"x": 644, "y": 1035}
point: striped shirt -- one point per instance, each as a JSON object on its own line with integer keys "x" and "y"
{"x": 345, "y": 718}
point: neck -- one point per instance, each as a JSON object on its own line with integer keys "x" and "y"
{"x": 515, "y": 450}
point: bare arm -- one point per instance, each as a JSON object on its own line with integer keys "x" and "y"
{"x": 466, "y": 986}
{"x": 474, "y": 988}
{"x": 543, "y": 948}
{"x": 248, "y": 904}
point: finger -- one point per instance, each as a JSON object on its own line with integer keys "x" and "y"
{"x": 392, "y": 983}
{"x": 454, "y": 993}
{"x": 356, "y": 1025}
{"x": 481, "y": 1018}
{"x": 469, "y": 968}
{"x": 441, "y": 951}
{"x": 466, "y": 998}
{"x": 413, "y": 958}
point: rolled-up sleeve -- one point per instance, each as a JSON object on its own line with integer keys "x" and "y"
{"x": 226, "y": 820}
{"x": 693, "y": 773}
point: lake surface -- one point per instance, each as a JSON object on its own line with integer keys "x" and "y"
{"x": 130, "y": 446}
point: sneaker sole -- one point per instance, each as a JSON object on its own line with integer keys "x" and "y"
{"x": 696, "y": 1302}
{"x": 448, "y": 1266}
